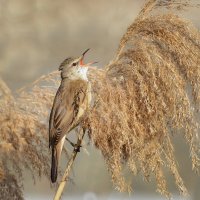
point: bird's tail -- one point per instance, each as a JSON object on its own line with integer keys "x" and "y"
{"x": 56, "y": 153}
{"x": 54, "y": 165}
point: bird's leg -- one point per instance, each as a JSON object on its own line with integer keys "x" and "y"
{"x": 70, "y": 142}
{"x": 76, "y": 147}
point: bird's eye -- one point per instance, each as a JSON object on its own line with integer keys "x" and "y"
{"x": 74, "y": 64}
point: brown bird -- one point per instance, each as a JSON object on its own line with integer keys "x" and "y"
{"x": 70, "y": 103}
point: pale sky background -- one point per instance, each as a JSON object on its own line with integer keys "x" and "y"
{"x": 37, "y": 35}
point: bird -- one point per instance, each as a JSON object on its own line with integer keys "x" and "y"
{"x": 71, "y": 101}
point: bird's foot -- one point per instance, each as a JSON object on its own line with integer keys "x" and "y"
{"x": 76, "y": 146}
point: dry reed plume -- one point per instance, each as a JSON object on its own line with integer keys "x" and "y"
{"x": 149, "y": 91}
{"x": 23, "y": 138}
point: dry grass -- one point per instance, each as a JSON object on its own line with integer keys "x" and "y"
{"x": 24, "y": 134}
{"x": 149, "y": 91}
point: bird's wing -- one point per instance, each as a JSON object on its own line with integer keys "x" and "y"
{"x": 65, "y": 109}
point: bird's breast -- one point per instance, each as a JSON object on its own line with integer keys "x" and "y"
{"x": 86, "y": 103}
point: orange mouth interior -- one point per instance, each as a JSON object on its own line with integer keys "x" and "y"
{"x": 81, "y": 62}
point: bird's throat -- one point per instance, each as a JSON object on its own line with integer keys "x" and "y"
{"x": 78, "y": 73}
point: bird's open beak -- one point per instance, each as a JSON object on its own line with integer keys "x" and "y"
{"x": 82, "y": 64}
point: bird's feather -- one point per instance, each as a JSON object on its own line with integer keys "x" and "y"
{"x": 69, "y": 100}
{"x": 69, "y": 105}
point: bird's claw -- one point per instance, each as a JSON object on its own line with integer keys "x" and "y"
{"x": 76, "y": 146}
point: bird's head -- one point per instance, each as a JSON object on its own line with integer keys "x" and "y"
{"x": 75, "y": 68}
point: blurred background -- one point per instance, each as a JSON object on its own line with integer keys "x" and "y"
{"x": 36, "y": 36}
